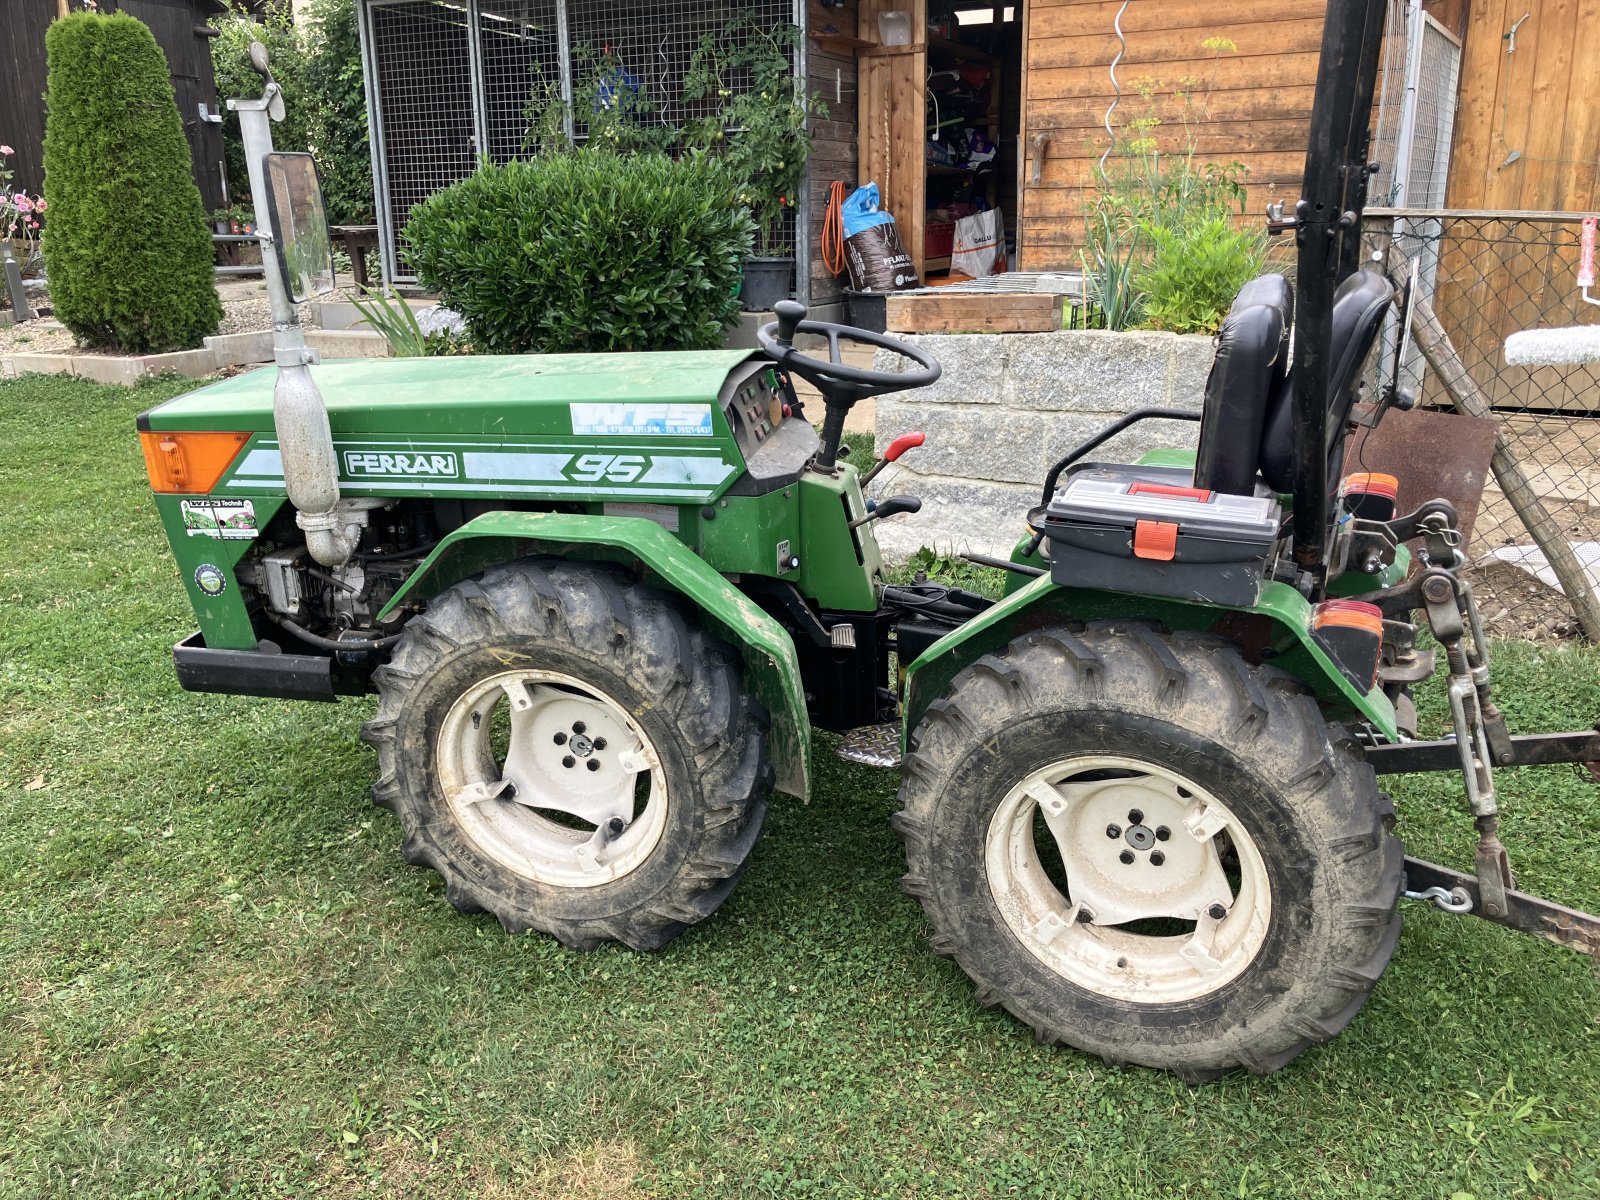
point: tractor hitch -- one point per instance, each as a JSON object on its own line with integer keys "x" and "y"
{"x": 1545, "y": 919}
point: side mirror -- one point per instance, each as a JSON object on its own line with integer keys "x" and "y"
{"x": 299, "y": 224}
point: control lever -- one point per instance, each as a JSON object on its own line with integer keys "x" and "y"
{"x": 906, "y": 441}
{"x": 789, "y": 313}
{"x": 892, "y": 507}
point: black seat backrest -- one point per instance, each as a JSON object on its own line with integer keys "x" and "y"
{"x": 1251, "y": 363}
{"x": 1359, "y": 307}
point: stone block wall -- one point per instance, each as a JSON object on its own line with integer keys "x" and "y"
{"x": 1006, "y": 408}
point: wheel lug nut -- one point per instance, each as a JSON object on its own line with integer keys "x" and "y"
{"x": 578, "y": 727}
{"x": 569, "y": 761}
{"x": 1126, "y": 856}
{"x": 1113, "y": 831}
{"x": 593, "y": 764}
{"x": 1162, "y": 833}
{"x": 1157, "y": 858}
{"x": 1216, "y": 912}
{"x": 1135, "y": 817}
{"x": 599, "y": 743}
{"x": 561, "y": 739}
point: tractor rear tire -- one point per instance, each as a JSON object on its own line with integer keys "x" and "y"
{"x": 1144, "y": 847}
{"x": 572, "y": 754}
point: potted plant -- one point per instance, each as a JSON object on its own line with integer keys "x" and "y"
{"x": 758, "y": 127}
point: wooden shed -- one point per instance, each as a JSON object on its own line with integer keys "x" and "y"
{"x": 1510, "y": 121}
{"x": 180, "y": 30}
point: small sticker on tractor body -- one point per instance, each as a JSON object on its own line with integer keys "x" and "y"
{"x": 210, "y": 579}
{"x": 642, "y": 420}
{"x": 231, "y": 520}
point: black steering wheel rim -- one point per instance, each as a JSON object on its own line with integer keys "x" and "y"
{"x": 863, "y": 380}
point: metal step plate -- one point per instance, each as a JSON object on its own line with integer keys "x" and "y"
{"x": 872, "y": 746}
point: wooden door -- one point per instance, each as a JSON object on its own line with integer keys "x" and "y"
{"x": 178, "y": 28}
{"x": 891, "y": 83}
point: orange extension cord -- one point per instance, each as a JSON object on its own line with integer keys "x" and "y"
{"x": 833, "y": 230}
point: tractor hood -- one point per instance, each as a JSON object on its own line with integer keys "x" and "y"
{"x": 486, "y": 395}
{"x": 617, "y": 427}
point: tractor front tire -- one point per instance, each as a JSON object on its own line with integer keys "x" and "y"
{"x": 572, "y": 754}
{"x": 1144, "y": 847}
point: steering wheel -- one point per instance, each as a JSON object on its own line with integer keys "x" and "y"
{"x": 841, "y": 384}
{"x": 852, "y": 383}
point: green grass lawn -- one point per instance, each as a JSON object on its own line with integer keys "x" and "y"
{"x": 217, "y": 978}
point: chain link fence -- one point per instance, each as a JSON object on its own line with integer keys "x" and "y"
{"x": 1486, "y": 275}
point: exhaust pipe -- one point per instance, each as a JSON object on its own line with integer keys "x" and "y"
{"x": 305, "y": 440}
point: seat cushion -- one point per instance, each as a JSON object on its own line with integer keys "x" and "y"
{"x": 1251, "y": 360}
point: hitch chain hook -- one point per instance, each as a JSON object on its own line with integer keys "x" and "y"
{"x": 1455, "y": 900}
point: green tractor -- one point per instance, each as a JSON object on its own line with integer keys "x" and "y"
{"x": 604, "y": 601}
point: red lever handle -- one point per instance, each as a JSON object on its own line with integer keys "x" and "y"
{"x": 906, "y": 441}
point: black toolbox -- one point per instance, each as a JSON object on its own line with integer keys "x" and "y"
{"x": 1150, "y": 530}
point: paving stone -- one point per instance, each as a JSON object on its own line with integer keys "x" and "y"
{"x": 41, "y": 364}
{"x": 1191, "y": 367}
{"x": 968, "y": 441}
{"x": 240, "y": 348}
{"x": 347, "y": 343}
{"x": 1089, "y": 370}
{"x": 956, "y": 515}
{"x": 973, "y": 365}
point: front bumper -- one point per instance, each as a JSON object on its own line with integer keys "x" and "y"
{"x": 252, "y": 672}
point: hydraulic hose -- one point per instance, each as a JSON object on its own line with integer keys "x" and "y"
{"x": 354, "y": 645}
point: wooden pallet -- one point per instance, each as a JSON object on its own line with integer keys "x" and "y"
{"x": 973, "y": 312}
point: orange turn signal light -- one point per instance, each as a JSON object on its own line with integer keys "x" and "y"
{"x": 189, "y": 462}
{"x": 1371, "y": 483}
{"x": 1348, "y": 614}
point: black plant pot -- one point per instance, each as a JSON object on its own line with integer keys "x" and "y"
{"x": 766, "y": 281}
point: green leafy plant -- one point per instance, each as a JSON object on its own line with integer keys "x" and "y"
{"x": 317, "y": 63}
{"x": 336, "y": 122}
{"x": 392, "y": 317}
{"x": 1194, "y": 272}
{"x": 759, "y": 127}
{"x": 586, "y": 250}
{"x": 129, "y": 251}
{"x": 1164, "y": 247}
{"x": 610, "y": 110}
{"x": 236, "y": 78}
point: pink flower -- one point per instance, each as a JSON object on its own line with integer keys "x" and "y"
{"x": 41, "y": 205}
{"x": 23, "y": 203}
{"x": 32, "y": 224}
{"x": 6, "y": 150}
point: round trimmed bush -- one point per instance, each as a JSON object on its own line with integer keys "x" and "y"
{"x": 128, "y": 252}
{"x": 586, "y": 250}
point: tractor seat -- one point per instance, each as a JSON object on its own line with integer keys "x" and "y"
{"x": 1251, "y": 363}
{"x": 1359, "y": 307}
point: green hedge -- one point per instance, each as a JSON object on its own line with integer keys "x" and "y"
{"x": 587, "y": 250}
{"x": 128, "y": 251}
{"x": 317, "y": 63}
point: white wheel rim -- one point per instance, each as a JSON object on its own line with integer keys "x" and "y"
{"x": 1169, "y": 864}
{"x": 539, "y": 808}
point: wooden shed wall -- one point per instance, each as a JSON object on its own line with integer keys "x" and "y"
{"x": 1541, "y": 104}
{"x": 831, "y": 74}
{"x": 1251, "y": 104}
{"x": 23, "y": 73}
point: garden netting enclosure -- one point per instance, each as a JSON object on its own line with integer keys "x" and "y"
{"x": 451, "y": 82}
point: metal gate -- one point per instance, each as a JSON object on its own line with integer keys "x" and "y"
{"x": 449, "y": 82}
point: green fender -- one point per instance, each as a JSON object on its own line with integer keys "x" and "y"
{"x": 1279, "y": 622}
{"x": 772, "y": 671}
